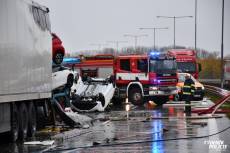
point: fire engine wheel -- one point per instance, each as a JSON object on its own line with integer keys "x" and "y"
{"x": 14, "y": 123}
{"x": 135, "y": 96}
{"x": 32, "y": 122}
{"x": 58, "y": 58}
{"x": 23, "y": 122}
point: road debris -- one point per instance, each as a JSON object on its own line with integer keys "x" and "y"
{"x": 44, "y": 143}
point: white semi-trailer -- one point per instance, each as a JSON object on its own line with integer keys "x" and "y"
{"x": 25, "y": 65}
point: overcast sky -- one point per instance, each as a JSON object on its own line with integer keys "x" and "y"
{"x": 80, "y": 23}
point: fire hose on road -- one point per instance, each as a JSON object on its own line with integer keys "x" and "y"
{"x": 225, "y": 97}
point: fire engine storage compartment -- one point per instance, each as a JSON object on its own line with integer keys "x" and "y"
{"x": 92, "y": 94}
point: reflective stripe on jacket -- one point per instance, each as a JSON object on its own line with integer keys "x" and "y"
{"x": 189, "y": 87}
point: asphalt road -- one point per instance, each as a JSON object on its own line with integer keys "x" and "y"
{"x": 146, "y": 130}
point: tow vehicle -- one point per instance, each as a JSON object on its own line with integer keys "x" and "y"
{"x": 141, "y": 77}
{"x": 25, "y": 66}
{"x": 186, "y": 61}
{"x": 31, "y": 84}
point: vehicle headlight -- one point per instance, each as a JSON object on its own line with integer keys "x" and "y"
{"x": 202, "y": 87}
{"x": 153, "y": 88}
{"x": 178, "y": 88}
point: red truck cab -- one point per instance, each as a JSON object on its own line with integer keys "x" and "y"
{"x": 186, "y": 61}
{"x": 145, "y": 76}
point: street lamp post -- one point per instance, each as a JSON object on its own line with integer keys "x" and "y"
{"x": 135, "y": 38}
{"x": 174, "y": 23}
{"x": 117, "y": 44}
{"x": 222, "y": 47}
{"x": 154, "y": 33}
{"x": 195, "y": 23}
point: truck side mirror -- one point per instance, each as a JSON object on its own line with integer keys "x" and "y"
{"x": 199, "y": 67}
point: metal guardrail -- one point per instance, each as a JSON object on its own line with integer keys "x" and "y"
{"x": 216, "y": 90}
{"x": 215, "y": 81}
{"x": 225, "y": 97}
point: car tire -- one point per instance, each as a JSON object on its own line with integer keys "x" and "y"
{"x": 32, "y": 122}
{"x": 58, "y": 58}
{"x": 23, "y": 122}
{"x": 70, "y": 80}
{"x": 101, "y": 98}
{"x": 135, "y": 96}
{"x": 14, "y": 123}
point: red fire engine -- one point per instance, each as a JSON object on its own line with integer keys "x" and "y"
{"x": 186, "y": 61}
{"x": 96, "y": 66}
{"x": 146, "y": 76}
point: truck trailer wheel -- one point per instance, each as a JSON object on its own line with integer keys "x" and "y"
{"x": 23, "y": 121}
{"x": 32, "y": 122}
{"x": 135, "y": 96}
{"x": 14, "y": 123}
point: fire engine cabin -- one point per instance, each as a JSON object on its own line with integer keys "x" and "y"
{"x": 186, "y": 61}
{"x": 140, "y": 77}
{"x": 100, "y": 66}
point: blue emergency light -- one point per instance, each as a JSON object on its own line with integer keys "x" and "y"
{"x": 154, "y": 54}
{"x": 71, "y": 60}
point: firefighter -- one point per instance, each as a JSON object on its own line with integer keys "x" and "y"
{"x": 188, "y": 91}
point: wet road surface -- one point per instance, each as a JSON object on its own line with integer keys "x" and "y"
{"x": 112, "y": 132}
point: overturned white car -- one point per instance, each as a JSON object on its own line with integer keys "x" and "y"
{"x": 92, "y": 95}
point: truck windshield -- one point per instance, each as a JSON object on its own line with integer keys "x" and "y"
{"x": 162, "y": 65}
{"x": 186, "y": 67}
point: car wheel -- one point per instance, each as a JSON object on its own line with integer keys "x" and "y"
{"x": 135, "y": 96}
{"x": 23, "y": 122}
{"x": 70, "y": 80}
{"x": 101, "y": 98}
{"x": 32, "y": 122}
{"x": 58, "y": 58}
